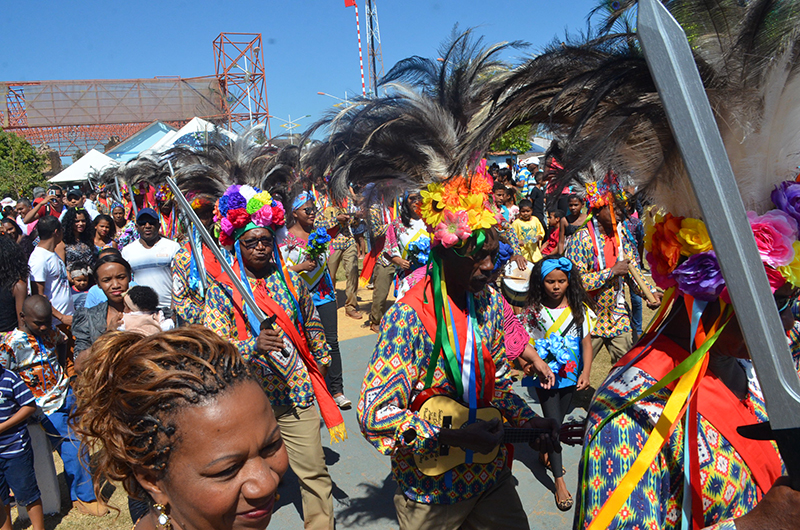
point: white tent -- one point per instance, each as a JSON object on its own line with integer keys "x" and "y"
{"x": 192, "y": 134}
{"x": 79, "y": 171}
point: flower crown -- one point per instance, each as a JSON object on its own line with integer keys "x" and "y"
{"x": 243, "y": 208}
{"x": 164, "y": 194}
{"x": 453, "y": 209}
{"x": 599, "y": 194}
{"x": 680, "y": 254}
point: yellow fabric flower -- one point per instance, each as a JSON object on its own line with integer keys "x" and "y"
{"x": 432, "y": 206}
{"x": 791, "y": 272}
{"x": 480, "y": 216}
{"x": 693, "y": 237}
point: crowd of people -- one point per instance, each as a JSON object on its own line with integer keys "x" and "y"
{"x": 190, "y": 344}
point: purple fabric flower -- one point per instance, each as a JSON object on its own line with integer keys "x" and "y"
{"x": 236, "y": 200}
{"x": 700, "y": 276}
{"x": 786, "y": 196}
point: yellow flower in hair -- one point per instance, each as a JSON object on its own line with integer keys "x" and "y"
{"x": 693, "y": 237}
{"x": 432, "y": 208}
{"x": 791, "y": 272}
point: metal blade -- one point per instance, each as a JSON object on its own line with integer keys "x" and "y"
{"x": 209, "y": 241}
{"x": 693, "y": 125}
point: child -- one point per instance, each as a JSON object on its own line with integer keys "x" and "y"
{"x": 144, "y": 316}
{"x": 17, "y": 404}
{"x": 500, "y": 192}
{"x": 80, "y": 278}
{"x": 529, "y": 231}
{"x": 553, "y": 226}
{"x": 559, "y": 321}
{"x": 31, "y": 352}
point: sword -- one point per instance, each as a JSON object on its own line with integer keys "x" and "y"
{"x": 673, "y": 68}
{"x": 209, "y": 241}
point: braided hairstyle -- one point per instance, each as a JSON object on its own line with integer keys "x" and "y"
{"x": 132, "y": 388}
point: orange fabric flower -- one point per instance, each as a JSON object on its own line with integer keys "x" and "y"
{"x": 664, "y": 249}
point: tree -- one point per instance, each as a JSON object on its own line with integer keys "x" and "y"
{"x": 77, "y": 155}
{"x": 515, "y": 139}
{"x": 20, "y": 166}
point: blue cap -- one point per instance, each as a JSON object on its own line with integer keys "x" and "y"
{"x": 147, "y": 212}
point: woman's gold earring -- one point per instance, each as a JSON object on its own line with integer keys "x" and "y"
{"x": 162, "y": 519}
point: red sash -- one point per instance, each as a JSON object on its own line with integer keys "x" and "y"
{"x": 717, "y": 404}
{"x": 328, "y": 409}
{"x": 416, "y": 299}
{"x": 370, "y": 260}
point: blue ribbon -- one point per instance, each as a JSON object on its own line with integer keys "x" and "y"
{"x": 549, "y": 265}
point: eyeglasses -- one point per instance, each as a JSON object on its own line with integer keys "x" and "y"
{"x": 310, "y": 210}
{"x": 250, "y": 244}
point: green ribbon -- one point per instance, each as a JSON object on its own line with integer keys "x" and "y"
{"x": 442, "y": 344}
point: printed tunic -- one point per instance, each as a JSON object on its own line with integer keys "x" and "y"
{"x": 285, "y": 379}
{"x": 728, "y": 488}
{"x": 318, "y": 280}
{"x": 612, "y": 314}
{"x": 396, "y": 375}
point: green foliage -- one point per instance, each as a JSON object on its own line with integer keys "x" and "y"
{"x": 20, "y": 167}
{"x": 77, "y": 155}
{"x": 515, "y": 139}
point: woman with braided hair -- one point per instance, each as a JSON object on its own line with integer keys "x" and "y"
{"x": 164, "y": 414}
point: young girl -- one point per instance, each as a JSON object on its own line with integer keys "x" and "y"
{"x": 80, "y": 278}
{"x": 559, "y": 320}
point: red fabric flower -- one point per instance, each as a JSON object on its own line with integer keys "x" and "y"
{"x": 569, "y": 368}
{"x": 277, "y": 216}
{"x": 225, "y": 240}
{"x": 238, "y": 217}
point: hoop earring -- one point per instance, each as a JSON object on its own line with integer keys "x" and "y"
{"x": 162, "y": 520}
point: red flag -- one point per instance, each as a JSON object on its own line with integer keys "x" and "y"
{"x": 349, "y": 3}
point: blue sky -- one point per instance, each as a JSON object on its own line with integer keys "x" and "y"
{"x": 309, "y": 45}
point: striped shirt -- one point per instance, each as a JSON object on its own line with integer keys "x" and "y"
{"x": 14, "y": 394}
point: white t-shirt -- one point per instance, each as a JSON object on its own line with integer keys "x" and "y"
{"x": 152, "y": 267}
{"x": 47, "y": 267}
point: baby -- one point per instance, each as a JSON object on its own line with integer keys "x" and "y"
{"x": 79, "y": 275}
{"x": 144, "y": 316}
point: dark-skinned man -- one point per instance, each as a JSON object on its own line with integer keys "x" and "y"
{"x": 446, "y": 337}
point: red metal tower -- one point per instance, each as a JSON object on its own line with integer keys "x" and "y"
{"x": 239, "y": 64}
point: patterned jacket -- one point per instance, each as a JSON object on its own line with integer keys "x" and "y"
{"x": 729, "y": 490}
{"x": 286, "y": 380}
{"x": 187, "y": 300}
{"x": 612, "y": 320}
{"x": 396, "y": 374}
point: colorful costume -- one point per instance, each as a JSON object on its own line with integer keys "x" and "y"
{"x": 413, "y": 244}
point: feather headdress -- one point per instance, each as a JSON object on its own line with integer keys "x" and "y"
{"x": 409, "y": 138}
{"x": 598, "y": 98}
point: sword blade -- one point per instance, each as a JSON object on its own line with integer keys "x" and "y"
{"x": 691, "y": 119}
{"x": 209, "y": 241}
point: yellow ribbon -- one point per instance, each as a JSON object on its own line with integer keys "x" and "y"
{"x": 672, "y": 413}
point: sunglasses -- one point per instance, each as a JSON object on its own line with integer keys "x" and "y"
{"x": 251, "y": 244}
{"x": 310, "y": 210}
{"x": 150, "y": 222}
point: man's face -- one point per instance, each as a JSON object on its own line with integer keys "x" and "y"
{"x": 471, "y": 272}
{"x": 148, "y": 229}
{"x": 499, "y": 197}
{"x": 59, "y": 197}
{"x": 73, "y": 201}
{"x": 22, "y": 209}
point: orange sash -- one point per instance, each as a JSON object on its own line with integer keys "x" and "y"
{"x": 328, "y": 409}
{"x": 717, "y": 404}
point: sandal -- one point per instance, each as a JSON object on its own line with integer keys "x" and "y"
{"x": 564, "y": 505}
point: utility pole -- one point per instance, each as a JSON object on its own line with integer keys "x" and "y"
{"x": 374, "y": 51}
